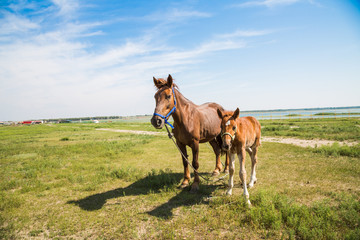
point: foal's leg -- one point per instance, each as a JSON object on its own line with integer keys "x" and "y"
{"x": 231, "y": 173}
{"x": 242, "y": 173}
{"x": 186, "y": 180}
{"x": 253, "y": 155}
{"x": 195, "y": 163}
{"x": 226, "y": 170}
{"x": 217, "y": 152}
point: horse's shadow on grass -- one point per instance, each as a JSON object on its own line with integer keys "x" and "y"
{"x": 148, "y": 185}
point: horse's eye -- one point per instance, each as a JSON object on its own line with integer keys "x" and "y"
{"x": 234, "y": 128}
{"x": 168, "y": 96}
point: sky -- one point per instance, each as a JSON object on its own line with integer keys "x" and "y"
{"x": 77, "y": 58}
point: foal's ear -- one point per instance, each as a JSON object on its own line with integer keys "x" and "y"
{"x": 169, "y": 81}
{"x": 158, "y": 83}
{"x": 219, "y": 113}
{"x": 236, "y": 113}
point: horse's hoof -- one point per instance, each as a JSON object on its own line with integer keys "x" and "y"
{"x": 226, "y": 171}
{"x": 194, "y": 187}
{"x": 215, "y": 173}
{"x": 229, "y": 192}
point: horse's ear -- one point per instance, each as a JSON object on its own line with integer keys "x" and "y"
{"x": 157, "y": 83}
{"x": 169, "y": 81}
{"x": 219, "y": 113}
{"x": 236, "y": 113}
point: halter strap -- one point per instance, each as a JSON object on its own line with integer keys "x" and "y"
{"x": 171, "y": 111}
{"x": 231, "y": 136}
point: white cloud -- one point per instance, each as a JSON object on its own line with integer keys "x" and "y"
{"x": 12, "y": 24}
{"x": 176, "y": 15}
{"x": 248, "y": 33}
{"x": 66, "y": 7}
{"x": 267, "y": 3}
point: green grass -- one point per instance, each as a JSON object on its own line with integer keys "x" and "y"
{"x": 337, "y": 150}
{"x": 339, "y": 129}
{"x": 335, "y": 114}
{"x": 67, "y": 181}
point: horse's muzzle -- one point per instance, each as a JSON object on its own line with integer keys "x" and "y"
{"x": 157, "y": 122}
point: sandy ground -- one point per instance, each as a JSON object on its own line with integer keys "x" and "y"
{"x": 294, "y": 141}
{"x": 303, "y": 142}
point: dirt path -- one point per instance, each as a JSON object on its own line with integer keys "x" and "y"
{"x": 295, "y": 141}
{"x": 305, "y": 143}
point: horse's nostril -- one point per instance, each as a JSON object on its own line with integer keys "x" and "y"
{"x": 158, "y": 122}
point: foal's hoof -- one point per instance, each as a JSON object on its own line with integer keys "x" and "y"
{"x": 182, "y": 186}
{"x": 185, "y": 183}
{"x": 215, "y": 173}
{"x": 194, "y": 187}
{"x": 251, "y": 184}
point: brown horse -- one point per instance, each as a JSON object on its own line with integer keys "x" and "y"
{"x": 240, "y": 135}
{"x": 193, "y": 124}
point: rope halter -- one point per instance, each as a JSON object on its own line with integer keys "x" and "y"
{"x": 171, "y": 111}
{"x": 231, "y": 136}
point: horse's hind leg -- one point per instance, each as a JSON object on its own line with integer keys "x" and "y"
{"x": 253, "y": 155}
{"x": 217, "y": 151}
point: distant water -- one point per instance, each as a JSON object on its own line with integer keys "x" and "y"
{"x": 270, "y": 114}
{"x": 304, "y": 113}
{"x": 283, "y": 114}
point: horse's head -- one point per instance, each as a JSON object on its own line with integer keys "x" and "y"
{"x": 228, "y": 127}
{"x": 165, "y": 101}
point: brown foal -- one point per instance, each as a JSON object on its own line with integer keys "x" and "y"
{"x": 240, "y": 135}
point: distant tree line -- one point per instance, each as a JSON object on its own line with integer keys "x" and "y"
{"x": 80, "y": 119}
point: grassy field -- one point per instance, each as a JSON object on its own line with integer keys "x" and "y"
{"x": 71, "y": 181}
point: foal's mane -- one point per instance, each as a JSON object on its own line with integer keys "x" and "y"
{"x": 228, "y": 113}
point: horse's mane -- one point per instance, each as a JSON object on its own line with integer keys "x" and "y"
{"x": 163, "y": 82}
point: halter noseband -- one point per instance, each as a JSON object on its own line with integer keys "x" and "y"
{"x": 231, "y": 136}
{"x": 171, "y": 111}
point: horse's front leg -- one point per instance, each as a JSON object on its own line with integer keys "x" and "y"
{"x": 242, "y": 173}
{"x": 186, "y": 180}
{"x": 195, "y": 163}
{"x": 231, "y": 173}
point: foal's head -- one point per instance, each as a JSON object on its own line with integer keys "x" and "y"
{"x": 228, "y": 127}
{"x": 165, "y": 101}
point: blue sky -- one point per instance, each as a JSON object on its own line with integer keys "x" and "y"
{"x": 69, "y": 58}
